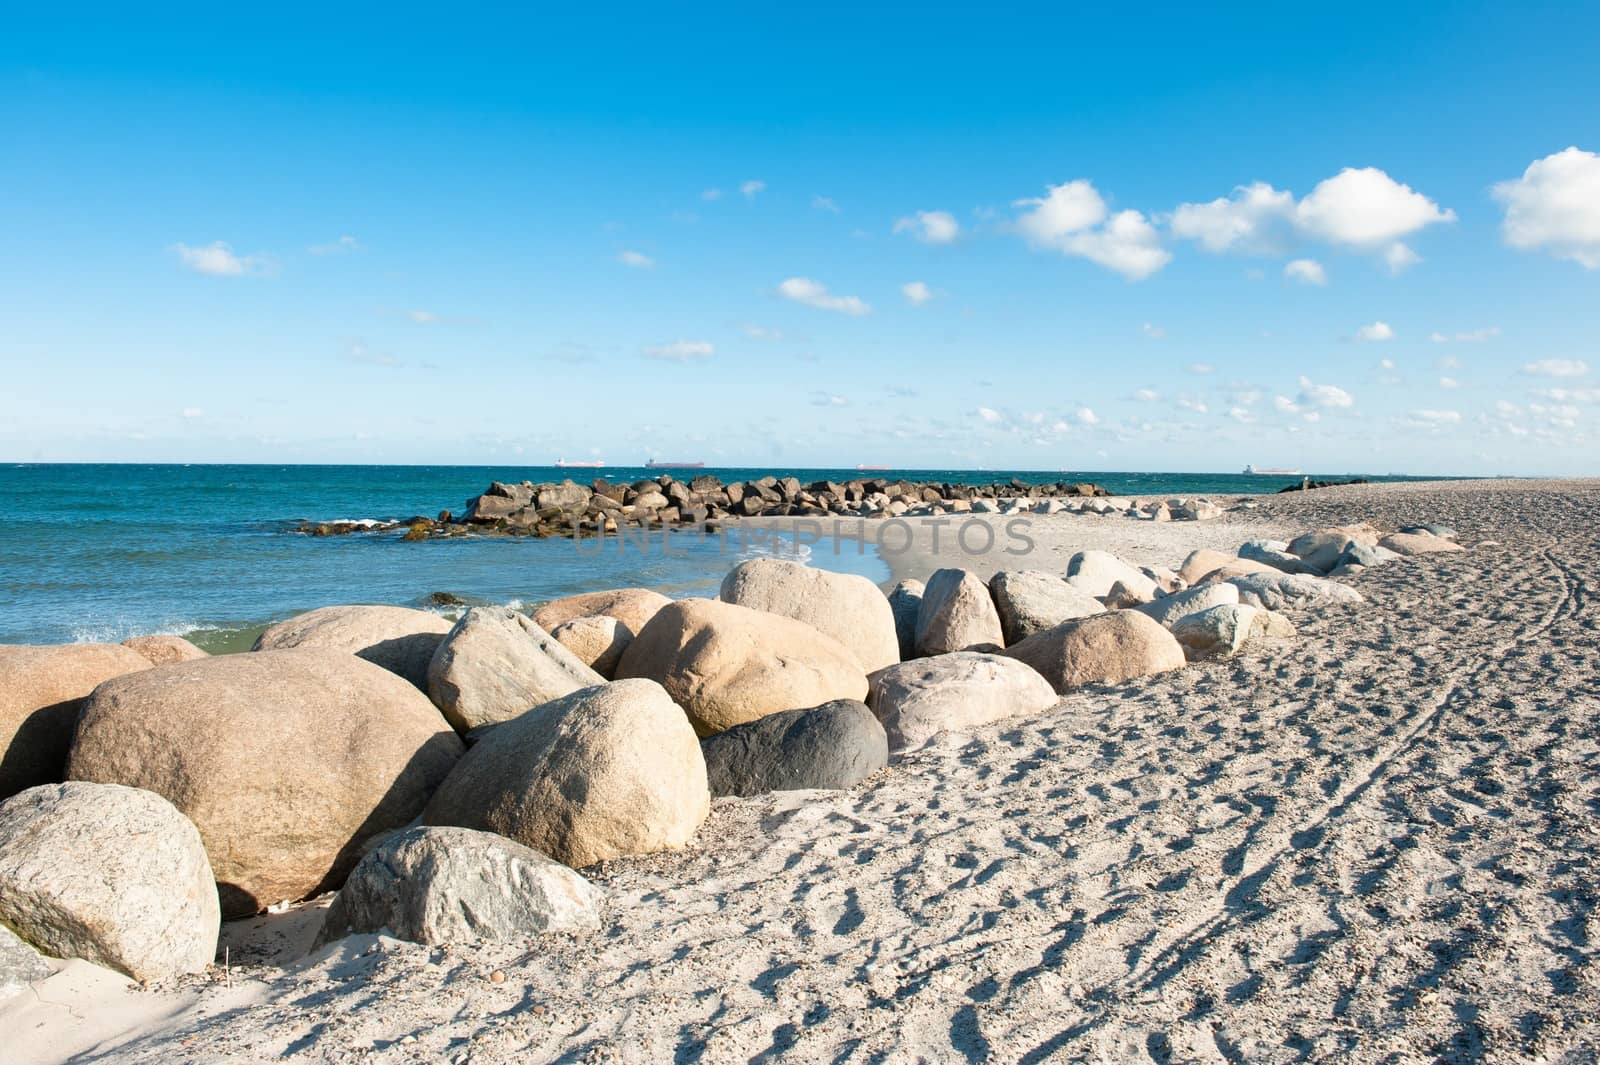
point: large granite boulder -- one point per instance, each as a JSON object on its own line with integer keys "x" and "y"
{"x": 603, "y": 772}
{"x": 727, "y": 664}
{"x": 1031, "y": 600}
{"x": 41, "y": 691}
{"x": 1213, "y": 566}
{"x": 954, "y": 692}
{"x": 159, "y": 650}
{"x": 845, "y": 606}
{"x": 1275, "y": 553}
{"x": 1169, "y": 609}
{"x": 1418, "y": 543}
{"x": 1104, "y": 649}
{"x": 20, "y": 965}
{"x": 1280, "y": 591}
{"x": 1094, "y": 573}
{"x": 397, "y": 638}
{"x": 957, "y": 614}
{"x": 454, "y": 885}
{"x": 634, "y": 607}
{"x": 495, "y": 664}
{"x": 1218, "y": 632}
{"x": 113, "y": 875}
{"x": 286, "y": 761}
{"x": 597, "y": 641}
{"x": 905, "y": 601}
{"x": 1321, "y": 549}
{"x": 829, "y": 746}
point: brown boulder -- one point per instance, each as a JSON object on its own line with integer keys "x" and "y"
{"x": 634, "y": 607}
{"x": 286, "y": 761}
{"x": 727, "y": 664}
{"x": 160, "y": 650}
{"x": 1104, "y": 649}
{"x": 41, "y": 690}
{"x": 397, "y": 638}
{"x": 848, "y": 607}
{"x": 597, "y": 642}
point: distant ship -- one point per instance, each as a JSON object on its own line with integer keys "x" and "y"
{"x": 584, "y": 464}
{"x": 1268, "y": 471}
{"x": 654, "y": 465}
{"x": 862, "y": 469}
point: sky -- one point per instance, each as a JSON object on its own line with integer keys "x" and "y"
{"x": 1363, "y": 239}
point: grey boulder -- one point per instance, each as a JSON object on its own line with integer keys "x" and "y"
{"x": 957, "y": 614}
{"x": 1170, "y": 609}
{"x": 829, "y": 746}
{"x": 954, "y": 693}
{"x": 1219, "y": 632}
{"x": 458, "y": 885}
{"x": 1031, "y": 600}
{"x": 20, "y": 964}
{"x": 496, "y": 664}
{"x": 1275, "y": 553}
{"x": 1285, "y": 590}
{"x": 905, "y": 600}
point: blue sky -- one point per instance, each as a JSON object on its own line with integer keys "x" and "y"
{"x": 924, "y": 236}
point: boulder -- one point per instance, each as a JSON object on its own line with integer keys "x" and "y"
{"x": 1203, "y": 563}
{"x": 1169, "y": 610}
{"x": 1437, "y": 530}
{"x": 286, "y": 761}
{"x": 1031, "y": 600}
{"x": 1275, "y": 553}
{"x": 634, "y": 607}
{"x": 1358, "y": 556}
{"x": 20, "y": 965}
{"x": 1418, "y": 543}
{"x": 957, "y": 614}
{"x": 455, "y": 885}
{"x": 1218, "y": 632}
{"x": 1094, "y": 572}
{"x": 596, "y": 641}
{"x": 954, "y": 692}
{"x": 905, "y": 601}
{"x": 1104, "y": 649}
{"x": 1270, "y": 625}
{"x": 727, "y": 664}
{"x": 41, "y": 691}
{"x": 496, "y": 663}
{"x": 606, "y": 771}
{"x": 1121, "y": 597}
{"x": 832, "y": 746}
{"x": 159, "y": 650}
{"x": 845, "y": 606}
{"x": 1278, "y": 591}
{"x": 113, "y": 875}
{"x": 1321, "y": 549}
{"x": 397, "y": 638}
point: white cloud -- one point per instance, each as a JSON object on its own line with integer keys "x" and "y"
{"x": 1251, "y": 220}
{"x": 1449, "y": 382}
{"x": 1242, "y": 414}
{"x": 1073, "y": 219}
{"x": 1086, "y": 416}
{"x": 218, "y": 259}
{"x": 1328, "y": 396}
{"x": 711, "y": 195}
{"x": 191, "y": 412}
{"x": 1555, "y": 206}
{"x": 1376, "y": 331}
{"x": 1386, "y": 364}
{"x": 1153, "y": 331}
{"x": 930, "y": 227}
{"x": 761, "y": 332}
{"x": 1366, "y": 208}
{"x": 1399, "y": 256}
{"x": 1449, "y": 362}
{"x": 343, "y": 246}
{"x": 828, "y": 399}
{"x": 1568, "y": 395}
{"x": 1285, "y": 405}
{"x": 1147, "y": 395}
{"x": 1191, "y": 403}
{"x": 1200, "y": 367}
{"x": 816, "y": 294}
{"x": 1308, "y": 271}
{"x": 750, "y": 188}
{"x": 1556, "y": 368}
{"x": 636, "y": 259}
{"x": 989, "y": 414}
{"x": 422, "y": 317}
{"x": 916, "y": 292}
{"x": 1437, "y": 417}
{"x": 681, "y": 351}
{"x": 824, "y": 203}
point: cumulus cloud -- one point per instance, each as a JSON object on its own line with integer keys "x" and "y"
{"x": 711, "y": 195}
{"x": 422, "y": 317}
{"x": 681, "y": 351}
{"x": 1433, "y": 419}
{"x": 828, "y": 399}
{"x": 1192, "y": 403}
{"x": 1307, "y": 271}
{"x": 762, "y": 332}
{"x": 989, "y": 414}
{"x": 1399, "y": 256}
{"x": 916, "y": 292}
{"x": 1326, "y": 396}
{"x": 824, "y": 203}
{"x": 1555, "y": 207}
{"x": 930, "y": 227}
{"x": 1253, "y": 219}
{"x": 1375, "y": 331}
{"x": 1475, "y": 336}
{"x": 1200, "y": 367}
{"x": 1086, "y": 416}
{"x": 636, "y": 259}
{"x": 1073, "y": 219}
{"x": 750, "y": 188}
{"x": 343, "y": 246}
{"x": 1449, "y": 382}
{"x": 1153, "y": 331}
{"x": 218, "y": 259}
{"x": 191, "y": 413}
{"x": 815, "y": 294}
{"x": 1285, "y": 405}
{"x": 1556, "y": 368}
{"x": 1146, "y": 395}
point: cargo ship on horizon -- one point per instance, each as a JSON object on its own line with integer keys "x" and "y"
{"x": 654, "y": 465}
{"x": 1269, "y": 471}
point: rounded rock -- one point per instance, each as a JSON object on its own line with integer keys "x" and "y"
{"x": 397, "y": 638}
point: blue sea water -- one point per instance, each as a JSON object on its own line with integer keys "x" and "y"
{"x": 103, "y": 552}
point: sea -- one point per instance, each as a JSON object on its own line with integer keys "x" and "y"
{"x": 104, "y": 552}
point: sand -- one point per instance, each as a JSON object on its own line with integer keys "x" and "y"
{"x": 1376, "y": 843}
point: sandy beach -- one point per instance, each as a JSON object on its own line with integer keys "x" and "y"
{"x": 1375, "y": 843}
